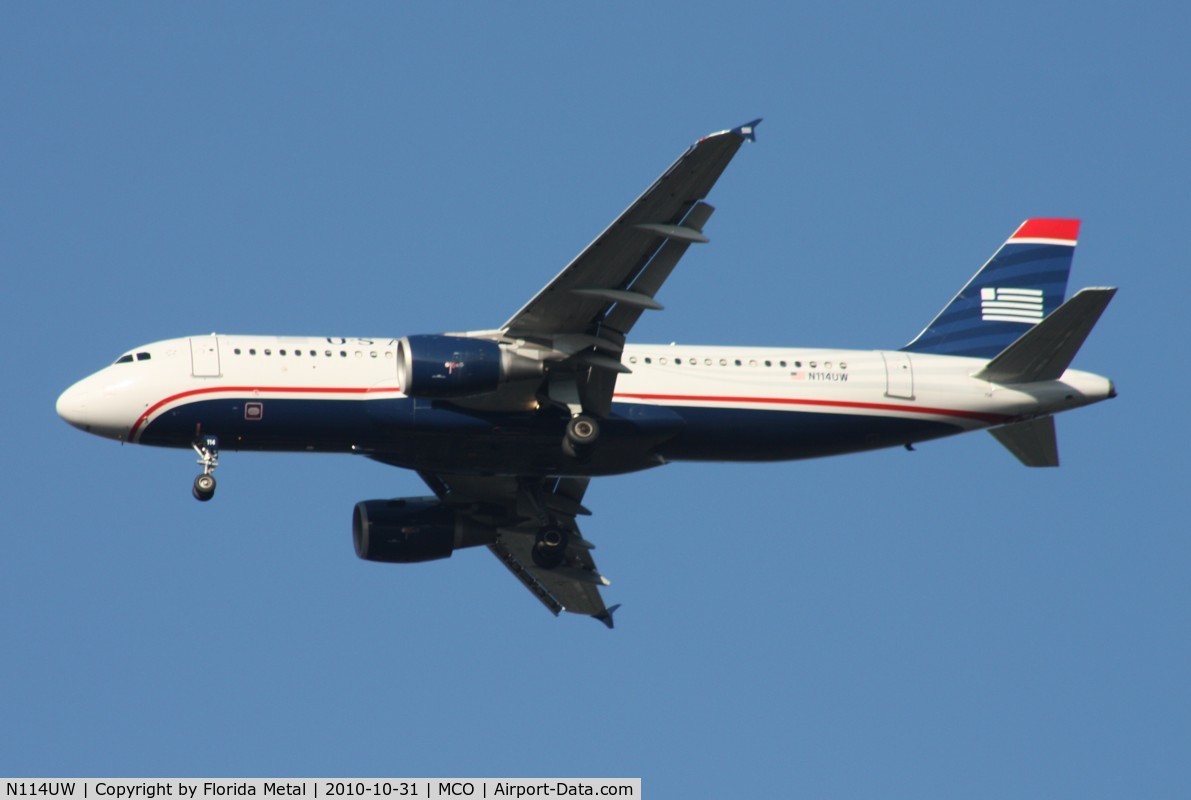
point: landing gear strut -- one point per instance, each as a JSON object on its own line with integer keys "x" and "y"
{"x": 207, "y": 448}
{"x": 582, "y": 431}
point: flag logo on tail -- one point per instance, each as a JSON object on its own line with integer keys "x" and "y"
{"x": 1011, "y": 305}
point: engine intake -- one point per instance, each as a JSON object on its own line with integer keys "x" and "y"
{"x": 457, "y": 366}
{"x": 412, "y": 529}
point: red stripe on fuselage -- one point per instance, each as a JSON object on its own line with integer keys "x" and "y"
{"x": 143, "y": 418}
{"x": 794, "y": 401}
{"x": 788, "y": 401}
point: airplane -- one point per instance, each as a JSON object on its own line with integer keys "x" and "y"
{"x": 507, "y": 426}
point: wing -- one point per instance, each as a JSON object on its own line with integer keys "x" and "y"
{"x": 521, "y": 509}
{"x": 578, "y": 323}
{"x": 583, "y": 315}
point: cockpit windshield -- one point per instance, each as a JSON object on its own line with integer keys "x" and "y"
{"x": 127, "y": 358}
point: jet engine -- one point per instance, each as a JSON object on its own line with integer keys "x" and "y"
{"x": 412, "y": 529}
{"x": 457, "y": 366}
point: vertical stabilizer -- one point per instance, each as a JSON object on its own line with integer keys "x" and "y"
{"x": 1024, "y": 281}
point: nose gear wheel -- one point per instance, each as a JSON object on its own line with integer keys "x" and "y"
{"x": 207, "y": 448}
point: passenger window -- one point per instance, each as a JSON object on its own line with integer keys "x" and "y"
{"x": 268, "y": 352}
{"x": 648, "y": 360}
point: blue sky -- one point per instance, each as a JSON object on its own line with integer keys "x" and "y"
{"x": 943, "y": 622}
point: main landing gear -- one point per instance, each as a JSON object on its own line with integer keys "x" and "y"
{"x": 207, "y": 448}
{"x": 550, "y": 547}
{"x": 582, "y": 431}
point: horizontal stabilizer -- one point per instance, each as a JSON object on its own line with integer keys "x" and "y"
{"x": 1045, "y": 351}
{"x": 1033, "y": 442}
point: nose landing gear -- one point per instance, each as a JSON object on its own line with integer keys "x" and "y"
{"x": 207, "y": 448}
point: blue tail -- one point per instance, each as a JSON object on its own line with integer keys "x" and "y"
{"x": 1023, "y": 282}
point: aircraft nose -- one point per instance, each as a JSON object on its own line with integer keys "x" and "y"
{"x": 91, "y": 405}
{"x": 72, "y": 407}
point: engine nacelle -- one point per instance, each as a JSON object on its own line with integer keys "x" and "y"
{"x": 412, "y": 529}
{"x": 456, "y": 366}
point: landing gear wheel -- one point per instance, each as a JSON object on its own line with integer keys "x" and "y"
{"x": 582, "y": 431}
{"x": 207, "y": 448}
{"x": 204, "y": 488}
{"x": 550, "y": 547}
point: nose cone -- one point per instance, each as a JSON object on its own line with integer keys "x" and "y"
{"x": 96, "y": 405}
{"x": 71, "y": 407}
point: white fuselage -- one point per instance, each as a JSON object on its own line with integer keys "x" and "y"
{"x": 726, "y": 403}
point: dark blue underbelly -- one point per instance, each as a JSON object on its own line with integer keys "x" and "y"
{"x": 439, "y": 437}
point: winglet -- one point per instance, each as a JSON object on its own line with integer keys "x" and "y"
{"x": 747, "y": 130}
{"x": 606, "y": 617}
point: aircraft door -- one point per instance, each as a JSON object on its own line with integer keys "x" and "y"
{"x": 899, "y": 375}
{"x": 204, "y": 356}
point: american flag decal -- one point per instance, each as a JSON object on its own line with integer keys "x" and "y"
{"x": 1011, "y": 305}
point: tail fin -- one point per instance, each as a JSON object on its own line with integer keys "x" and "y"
{"x": 1024, "y": 281}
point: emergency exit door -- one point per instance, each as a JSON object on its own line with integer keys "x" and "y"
{"x": 204, "y": 356}
{"x": 899, "y": 375}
